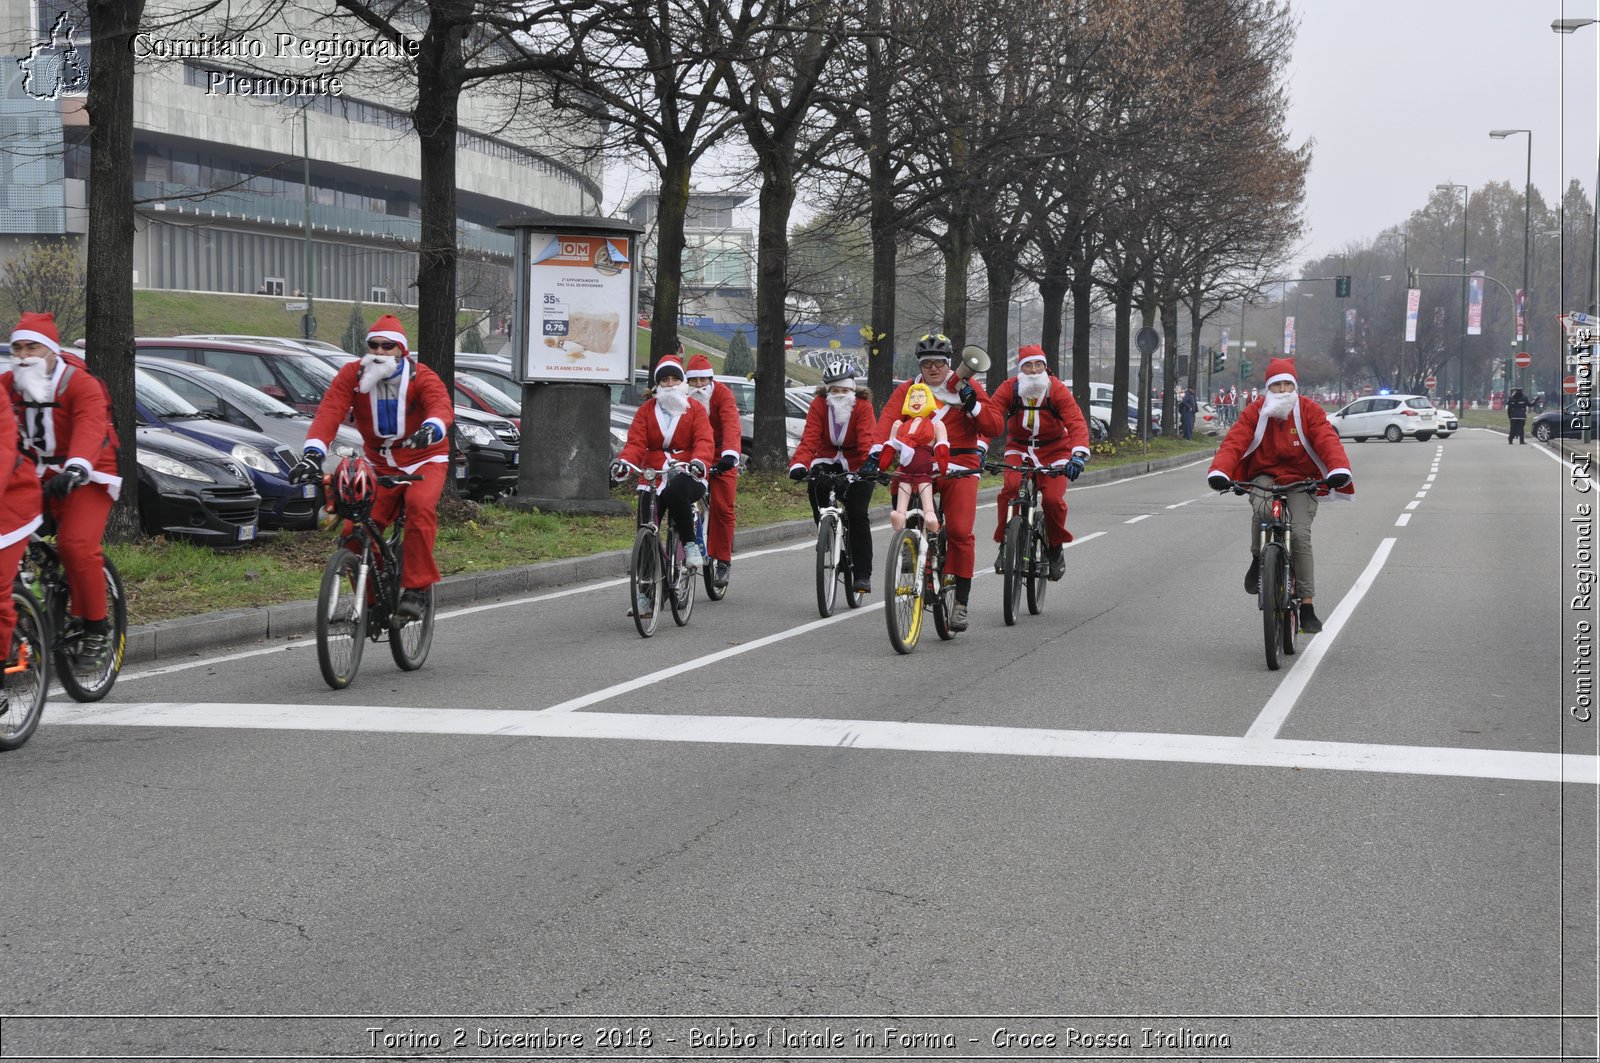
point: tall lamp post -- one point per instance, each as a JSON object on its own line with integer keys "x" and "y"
{"x": 1573, "y": 25}
{"x": 1461, "y": 368}
{"x": 1527, "y": 230}
{"x": 1405, "y": 264}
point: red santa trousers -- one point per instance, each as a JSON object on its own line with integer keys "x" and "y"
{"x": 960, "y": 510}
{"x": 417, "y": 568}
{"x": 1052, "y": 495}
{"x": 10, "y": 559}
{"x": 80, "y": 525}
{"x": 719, "y": 534}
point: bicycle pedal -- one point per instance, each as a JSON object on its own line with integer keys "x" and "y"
{"x": 24, "y": 660}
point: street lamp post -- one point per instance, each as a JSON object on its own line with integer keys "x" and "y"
{"x": 1405, "y": 265}
{"x": 1461, "y": 368}
{"x": 1527, "y": 230}
{"x": 1572, "y": 25}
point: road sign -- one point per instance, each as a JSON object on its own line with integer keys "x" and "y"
{"x": 294, "y": 307}
{"x": 1148, "y": 341}
{"x": 1524, "y": 359}
{"x": 1431, "y": 383}
{"x": 788, "y": 343}
{"x": 1570, "y": 385}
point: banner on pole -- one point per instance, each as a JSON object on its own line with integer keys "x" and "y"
{"x": 1413, "y": 306}
{"x": 1522, "y": 330}
{"x": 1224, "y": 341}
{"x": 1475, "y": 304}
{"x": 1350, "y": 330}
{"x": 1288, "y": 336}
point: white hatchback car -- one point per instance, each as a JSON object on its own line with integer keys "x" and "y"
{"x": 1391, "y": 416}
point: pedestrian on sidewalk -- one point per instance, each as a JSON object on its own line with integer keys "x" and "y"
{"x": 1517, "y": 411}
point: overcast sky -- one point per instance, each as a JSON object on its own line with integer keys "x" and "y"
{"x": 1399, "y": 96}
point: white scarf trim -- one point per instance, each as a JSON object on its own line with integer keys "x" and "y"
{"x": 1305, "y": 442}
{"x": 400, "y": 404}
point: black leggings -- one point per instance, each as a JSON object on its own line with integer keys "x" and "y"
{"x": 678, "y": 499}
{"x": 857, "y": 500}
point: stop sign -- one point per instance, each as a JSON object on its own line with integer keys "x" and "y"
{"x": 1431, "y": 383}
{"x": 1570, "y": 385}
{"x": 1524, "y": 359}
{"x": 788, "y": 342}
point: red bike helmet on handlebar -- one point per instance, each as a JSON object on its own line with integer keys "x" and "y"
{"x": 354, "y": 488}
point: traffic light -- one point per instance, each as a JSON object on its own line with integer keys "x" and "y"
{"x": 1341, "y": 287}
{"x": 1412, "y": 280}
{"x": 1244, "y": 369}
{"x": 1219, "y": 361}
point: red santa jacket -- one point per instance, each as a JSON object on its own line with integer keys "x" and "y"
{"x": 422, "y": 399}
{"x": 826, "y": 441}
{"x": 1299, "y": 447}
{"x": 654, "y": 437}
{"x": 74, "y": 429}
{"x": 20, "y": 498}
{"x": 1050, "y": 433}
{"x": 727, "y": 436}
{"x": 966, "y": 444}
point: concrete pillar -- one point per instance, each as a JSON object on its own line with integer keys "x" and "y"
{"x": 566, "y": 450}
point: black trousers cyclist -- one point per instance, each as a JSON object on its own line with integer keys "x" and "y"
{"x": 678, "y": 499}
{"x": 1517, "y": 425}
{"x": 857, "y": 500}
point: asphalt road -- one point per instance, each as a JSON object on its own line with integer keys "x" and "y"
{"x": 762, "y": 831}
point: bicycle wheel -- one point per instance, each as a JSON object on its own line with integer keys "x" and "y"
{"x": 1015, "y": 575}
{"x": 645, "y": 581}
{"x": 410, "y": 642}
{"x": 92, "y": 684}
{"x": 1291, "y": 612}
{"x": 714, "y": 591}
{"x": 680, "y": 581}
{"x": 1272, "y": 603}
{"x": 943, "y": 596}
{"x": 27, "y": 672}
{"x": 827, "y": 564}
{"x": 902, "y": 592}
{"x": 341, "y": 620}
{"x": 1038, "y": 566}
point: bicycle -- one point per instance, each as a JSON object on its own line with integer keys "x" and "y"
{"x": 702, "y": 516}
{"x": 657, "y": 574}
{"x": 361, "y": 588}
{"x": 44, "y": 576}
{"x": 914, "y": 577}
{"x": 833, "y": 543}
{"x": 1025, "y": 548}
{"x": 26, "y": 672}
{"x": 1277, "y": 597}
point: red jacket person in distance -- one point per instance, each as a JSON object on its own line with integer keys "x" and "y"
{"x": 1280, "y": 438}
{"x": 404, "y": 413}
{"x": 1043, "y": 426}
{"x": 726, "y": 436}
{"x": 671, "y": 426}
{"x": 840, "y": 433}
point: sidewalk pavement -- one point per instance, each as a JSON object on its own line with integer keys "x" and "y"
{"x": 186, "y": 636}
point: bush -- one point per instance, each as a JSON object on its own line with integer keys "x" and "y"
{"x": 739, "y": 362}
{"x": 354, "y": 339}
{"x": 472, "y": 341}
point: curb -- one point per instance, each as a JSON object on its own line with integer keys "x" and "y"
{"x": 191, "y": 634}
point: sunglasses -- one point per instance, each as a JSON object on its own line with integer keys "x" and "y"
{"x": 378, "y": 345}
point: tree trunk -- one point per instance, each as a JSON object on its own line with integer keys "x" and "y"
{"x": 108, "y": 297}
{"x": 1119, "y": 370}
{"x": 957, "y": 260}
{"x": 1053, "y": 290}
{"x": 880, "y": 346}
{"x": 772, "y": 291}
{"x": 1195, "y": 323}
{"x": 1169, "y": 366}
{"x": 1001, "y": 278}
{"x": 1082, "y": 307}
{"x": 670, "y": 214}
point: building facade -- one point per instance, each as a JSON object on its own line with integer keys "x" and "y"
{"x": 718, "y": 257}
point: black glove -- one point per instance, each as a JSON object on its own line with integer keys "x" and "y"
{"x": 1072, "y": 469}
{"x": 65, "y": 480}
{"x": 1337, "y": 480}
{"x": 969, "y": 399}
{"x": 307, "y": 469}
{"x": 726, "y": 462}
{"x": 426, "y": 436}
{"x": 1219, "y": 481}
{"x": 870, "y": 466}
{"x": 797, "y": 473}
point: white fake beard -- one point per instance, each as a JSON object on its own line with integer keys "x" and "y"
{"x": 701, "y": 395}
{"x": 1279, "y": 405}
{"x": 33, "y": 380}
{"x": 674, "y": 400}
{"x": 1033, "y": 386}
{"x": 842, "y": 406}
{"x": 374, "y": 368}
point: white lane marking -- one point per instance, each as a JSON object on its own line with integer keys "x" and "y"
{"x": 1080, "y": 540}
{"x": 1422, "y": 494}
{"x": 1413, "y": 504}
{"x": 1544, "y": 448}
{"x": 1270, "y": 722}
{"x": 1403, "y": 520}
{"x": 868, "y": 734}
{"x": 1185, "y": 502}
{"x": 1136, "y": 520}
{"x": 1431, "y": 477}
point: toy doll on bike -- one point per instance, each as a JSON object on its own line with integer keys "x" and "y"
{"x": 922, "y": 446}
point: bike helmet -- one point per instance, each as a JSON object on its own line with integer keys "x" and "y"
{"x": 935, "y": 345}
{"x": 838, "y": 369}
{"x": 354, "y": 487}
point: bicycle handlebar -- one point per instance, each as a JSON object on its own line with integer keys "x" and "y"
{"x": 1038, "y": 470}
{"x": 1243, "y": 487}
{"x": 398, "y": 479}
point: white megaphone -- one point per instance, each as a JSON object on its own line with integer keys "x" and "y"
{"x": 974, "y": 360}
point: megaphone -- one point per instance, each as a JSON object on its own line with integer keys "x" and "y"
{"x": 974, "y": 360}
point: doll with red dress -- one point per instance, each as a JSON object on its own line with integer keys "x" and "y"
{"x": 922, "y": 446}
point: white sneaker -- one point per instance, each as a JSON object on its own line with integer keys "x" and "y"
{"x": 692, "y": 557}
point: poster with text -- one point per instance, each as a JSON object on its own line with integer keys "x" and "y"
{"x": 580, "y": 309}
{"x": 1413, "y": 305}
{"x": 1475, "y": 304}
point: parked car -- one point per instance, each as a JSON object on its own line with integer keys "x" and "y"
{"x": 296, "y": 378}
{"x": 189, "y": 491}
{"x": 1571, "y": 423}
{"x": 487, "y": 452}
{"x": 226, "y": 400}
{"x": 292, "y": 343}
{"x": 473, "y": 391}
{"x": 266, "y": 462}
{"x": 1392, "y": 417}
{"x": 1445, "y": 423}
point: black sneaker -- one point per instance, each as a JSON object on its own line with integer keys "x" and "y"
{"x": 93, "y": 649}
{"x": 412, "y": 605}
{"x": 1252, "y": 577}
{"x": 1058, "y": 564}
{"x": 862, "y": 585}
{"x": 719, "y": 575}
{"x": 1000, "y": 561}
{"x": 1309, "y": 624}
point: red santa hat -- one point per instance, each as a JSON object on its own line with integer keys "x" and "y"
{"x": 700, "y": 365}
{"x": 1281, "y": 369}
{"x": 388, "y": 327}
{"x": 38, "y": 328}
{"x": 668, "y": 363}
{"x": 1030, "y": 353}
